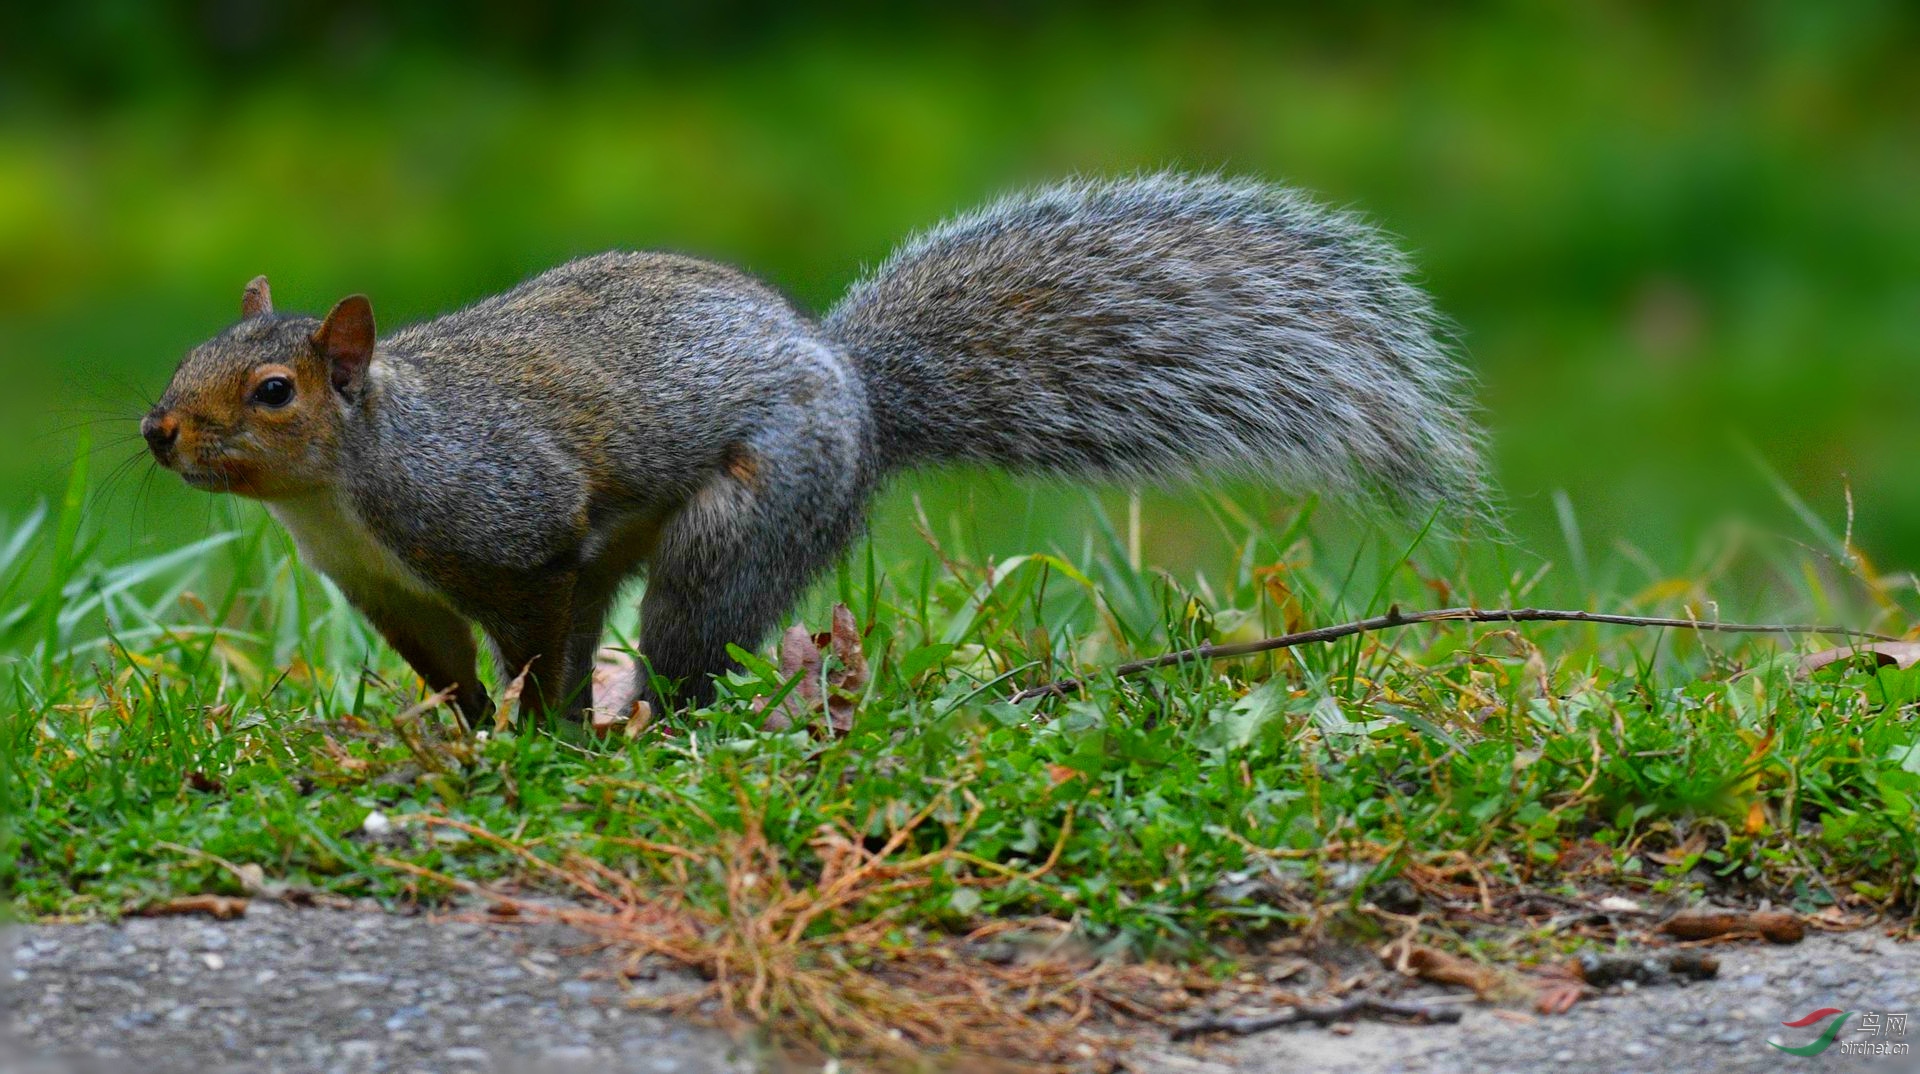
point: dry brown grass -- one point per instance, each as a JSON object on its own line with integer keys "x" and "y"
{"x": 819, "y": 965}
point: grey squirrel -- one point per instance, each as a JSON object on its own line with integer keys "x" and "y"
{"x": 512, "y": 464}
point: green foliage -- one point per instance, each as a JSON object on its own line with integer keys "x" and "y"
{"x": 160, "y": 733}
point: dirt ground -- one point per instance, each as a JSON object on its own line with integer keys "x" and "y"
{"x": 285, "y": 991}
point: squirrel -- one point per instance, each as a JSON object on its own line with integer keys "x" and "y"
{"x": 511, "y": 465}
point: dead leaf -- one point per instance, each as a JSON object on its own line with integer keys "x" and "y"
{"x": 848, "y": 678}
{"x": 1777, "y": 926}
{"x": 1273, "y": 580}
{"x": 510, "y": 702}
{"x": 798, "y": 656}
{"x": 842, "y": 683}
{"x": 1558, "y": 997}
{"x": 1900, "y": 654}
{"x": 630, "y": 723}
{"x": 222, "y": 907}
{"x": 1433, "y": 964}
{"x": 1695, "y": 844}
{"x": 613, "y": 671}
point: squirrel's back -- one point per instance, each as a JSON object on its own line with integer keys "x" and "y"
{"x": 1165, "y": 326}
{"x": 647, "y": 368}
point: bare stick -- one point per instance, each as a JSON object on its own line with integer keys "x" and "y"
{"x": 1395, "y": 617}
{"x": 1339, "y": 1012}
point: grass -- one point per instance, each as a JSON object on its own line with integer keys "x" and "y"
{"x": 180, "y": 723}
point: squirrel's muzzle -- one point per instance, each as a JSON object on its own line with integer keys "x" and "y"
{"x": 161, "y": 429}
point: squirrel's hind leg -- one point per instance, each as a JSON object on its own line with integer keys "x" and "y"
{"x": 737, "y": 558}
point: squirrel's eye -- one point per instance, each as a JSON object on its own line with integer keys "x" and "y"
{"x": 274, "y": 392}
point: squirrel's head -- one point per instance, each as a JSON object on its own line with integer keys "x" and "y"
{"x": 258, "y": 409}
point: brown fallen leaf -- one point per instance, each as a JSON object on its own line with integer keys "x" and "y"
{"x": 837, "y": 692}
{"x": 612, "y": 678}
{"x": 1433, "y": 964}
{"x": 1777, "y": 926}
{"x": 798, "y": 656}
{"x": 1900, "y": 654}
{"x": 1558, "y": 997}
{"x": 510, "y": 702}
{"x": 631, "y": 723}
{"x": 1695, "y": 844}
{"x": 848, "y": 677}
{"x": 223, "y": 907}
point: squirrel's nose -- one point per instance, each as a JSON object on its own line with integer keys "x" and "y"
{"x": 161, "y": 429}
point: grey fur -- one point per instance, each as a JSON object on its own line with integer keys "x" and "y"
{"x": 1165, "y": 327}
{"x": 522, "y": 458}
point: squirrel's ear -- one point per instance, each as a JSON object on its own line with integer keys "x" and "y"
{"x": 256, "y": 299}
{"x": 345, "y": 340}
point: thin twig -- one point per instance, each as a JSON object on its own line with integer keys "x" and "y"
{"x": 1395, "y": 617}
{"x": 1339, "y": 1012}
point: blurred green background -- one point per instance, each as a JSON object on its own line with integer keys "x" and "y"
{"x": 1682, "y": 248}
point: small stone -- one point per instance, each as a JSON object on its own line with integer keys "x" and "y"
{"x": 467, "y": 1055}
{"x": 403, "y": 1017}
{"x": 363, "y": 980}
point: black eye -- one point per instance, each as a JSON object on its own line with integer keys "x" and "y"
{"x": 275, "y": 392}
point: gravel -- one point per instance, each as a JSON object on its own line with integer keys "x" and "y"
{"x": 290, "y": 992}
{"x": 296, "y": 991}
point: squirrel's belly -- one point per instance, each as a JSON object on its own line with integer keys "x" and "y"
{"x": 334, "y": 541}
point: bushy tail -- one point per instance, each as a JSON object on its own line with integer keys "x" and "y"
{"x": 1166, "y": 327}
